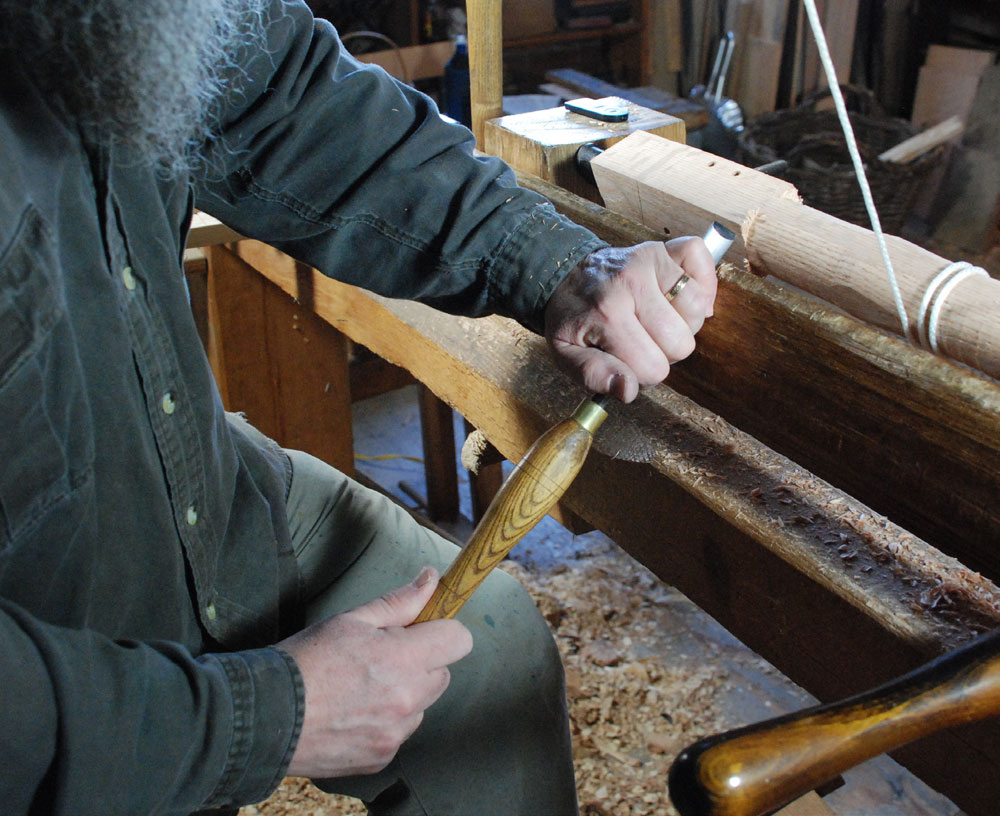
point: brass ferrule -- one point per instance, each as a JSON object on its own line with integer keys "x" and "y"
{"x": 589, "y": 415}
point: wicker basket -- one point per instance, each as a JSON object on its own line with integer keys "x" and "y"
{"x": 813, "y": 144}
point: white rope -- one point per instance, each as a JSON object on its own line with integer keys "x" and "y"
{"x": 852, "y": 147}
{"x": 932, "y": 304}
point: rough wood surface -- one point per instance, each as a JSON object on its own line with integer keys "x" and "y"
{"x": 835, "y": 595}
{"x": 910, "y": 434}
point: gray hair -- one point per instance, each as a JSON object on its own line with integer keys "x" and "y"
{"x": 144, "y": 75}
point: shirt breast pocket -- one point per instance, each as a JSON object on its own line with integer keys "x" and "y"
{"x": 37, "y": 388}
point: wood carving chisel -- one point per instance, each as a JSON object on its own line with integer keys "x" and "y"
{"x": 537, "y": 482}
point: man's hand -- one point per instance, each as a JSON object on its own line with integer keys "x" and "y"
{"x": 610, "y": 322}
{"x": 368, "y": 680}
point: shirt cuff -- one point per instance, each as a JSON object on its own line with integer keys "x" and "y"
{"x": 268, "y": 708}
{"x": 533, "y": 260}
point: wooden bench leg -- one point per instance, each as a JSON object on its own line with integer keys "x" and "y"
{"x": 484, "y": 485}
{"x": 440, "y": 469}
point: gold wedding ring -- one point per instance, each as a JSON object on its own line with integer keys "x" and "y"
{"x": 677, "y": 287}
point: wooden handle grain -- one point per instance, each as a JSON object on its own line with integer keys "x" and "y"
{"x": 534, "y": 486}
{"x": 755, "y": 770}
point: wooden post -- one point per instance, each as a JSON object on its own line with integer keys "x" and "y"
{"x": 657, "y": 181}
{"x": 274, "y": 360}
{"x": 485, "y": 62}
{"x": 440, "y": 468}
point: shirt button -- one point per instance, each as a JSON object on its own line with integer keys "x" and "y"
{"x": 210, "y": 612}
{"x": 168, "y": 403}
{"x": 128, "y": 278}
{"x": 192, "y": 515}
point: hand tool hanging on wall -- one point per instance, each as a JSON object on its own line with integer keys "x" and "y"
{"x": 725, "y": 115}
{"x": 537, "y": 482}
{"x": 754, "y": 770}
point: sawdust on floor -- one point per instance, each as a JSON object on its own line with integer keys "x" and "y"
{"x": 631, "y": 711}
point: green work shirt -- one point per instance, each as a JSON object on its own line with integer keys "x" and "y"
{"x": 145, "y": 565}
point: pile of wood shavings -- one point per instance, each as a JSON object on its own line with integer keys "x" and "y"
{"x": 631, "y": 709}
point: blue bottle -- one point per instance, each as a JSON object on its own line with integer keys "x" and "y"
{"x": 457, "y": 102}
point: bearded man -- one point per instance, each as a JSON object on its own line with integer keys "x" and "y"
{"x": 158, "y": 559}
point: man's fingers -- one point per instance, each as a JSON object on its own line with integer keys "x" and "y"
{"x": 671, "y": 325}
{"x": 693, "y": 259}
{"x": 688, "y": 299}
{"x": 400, "y": 606}
{"x": 598, "y": 370}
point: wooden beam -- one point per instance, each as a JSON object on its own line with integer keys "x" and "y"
{"x": 292, "y": 382}
{"x": 485, "y": 63}
{"x": 912, "y": 435}
{"x": 438, "y": 436}
{"x": 835, "y": 596}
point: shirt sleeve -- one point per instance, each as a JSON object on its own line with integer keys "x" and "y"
{"x": 346, "y": 169}
{"x": 77, "y": 731}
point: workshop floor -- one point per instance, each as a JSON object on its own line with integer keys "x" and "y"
{"x": 647, "y": 671}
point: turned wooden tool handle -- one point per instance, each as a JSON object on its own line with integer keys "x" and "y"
{"x": 535, "y": 485}
{"x": 755, "y": 770}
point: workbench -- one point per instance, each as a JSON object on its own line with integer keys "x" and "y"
{"x": 752, "y": 538}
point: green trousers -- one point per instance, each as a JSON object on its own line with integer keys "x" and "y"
{"x": 497, "y": 742}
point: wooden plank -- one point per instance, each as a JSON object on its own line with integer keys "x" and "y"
{"x": 946, "y": 86}
{"x": 241, "y": 369}
{"x": 413, "y": 62}
{"x": 941, "y": 94}
{"x": 830, "y": 258}
{"x": 196, "y": 275}
{"x": 267, "y": 346}
{"x": 667, "y": 24}
{"x": 759, "y": 89}
{"x": 912, "y": 435}
{"x": 485, "y": 63}
{"x": 839, "y": 20}
{"x": 741, "y": 531}
{"x": 968, "y": 208}
{"x": 959, "y": 60}
{"x": 739, "y": 20}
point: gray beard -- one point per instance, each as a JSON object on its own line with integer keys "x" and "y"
{"x": 143, "y": 75}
